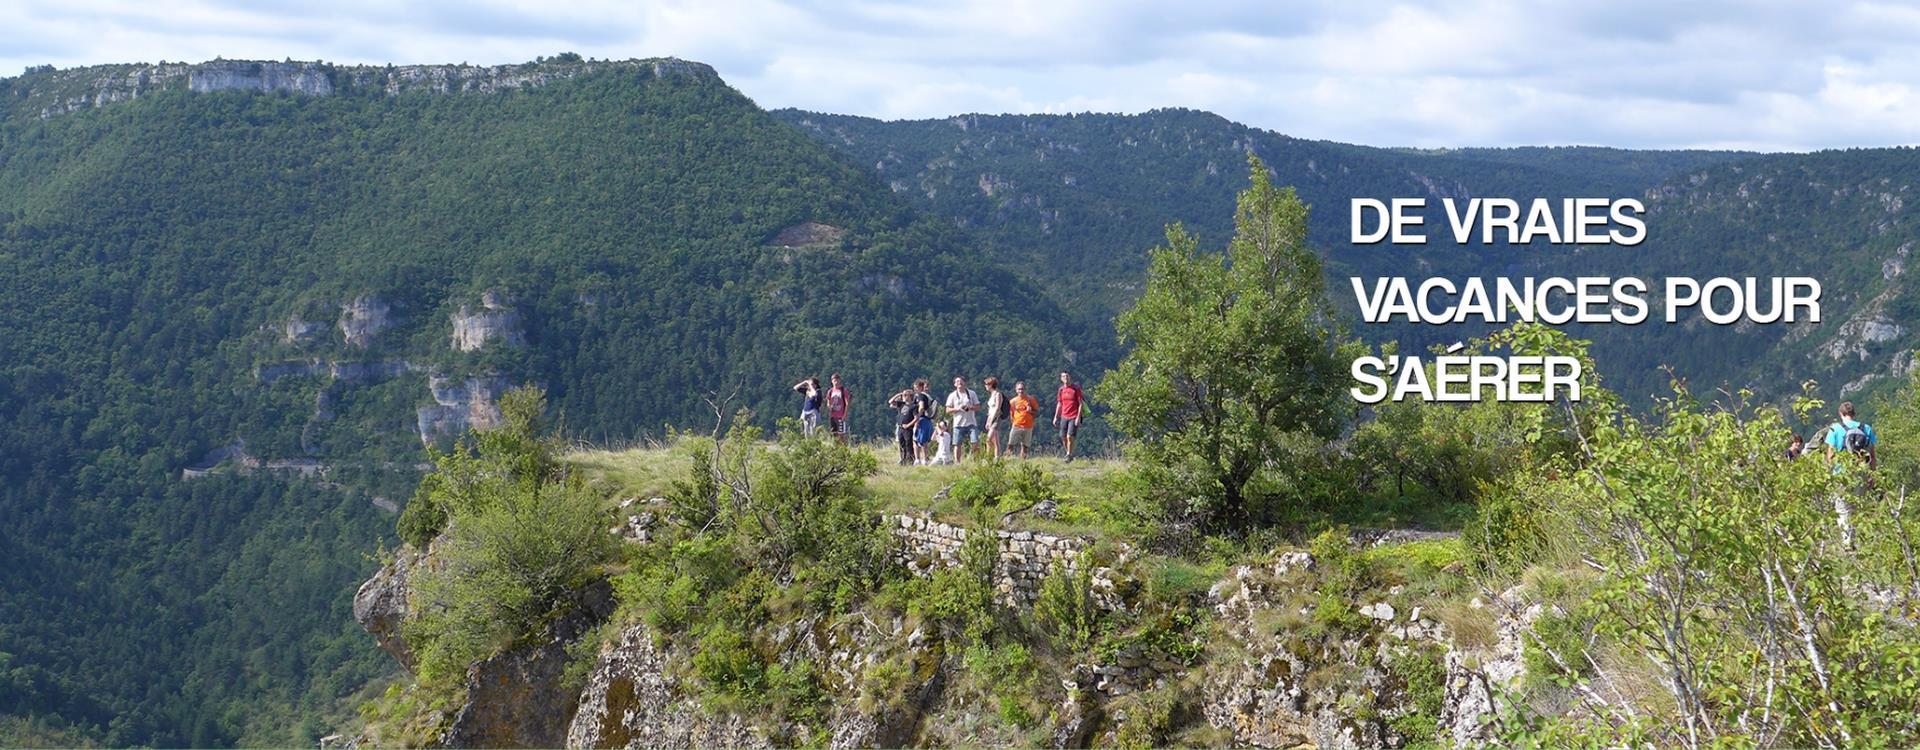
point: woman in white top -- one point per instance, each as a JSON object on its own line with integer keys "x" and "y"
{"x": 996, "y": 413}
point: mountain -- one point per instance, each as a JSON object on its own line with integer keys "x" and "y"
{"x": 248, "y": 292}
{"x": 1092, "y": 192}
{"x": 1072, "y": 201}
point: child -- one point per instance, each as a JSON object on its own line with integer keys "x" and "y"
{"x": 942, "y": 437}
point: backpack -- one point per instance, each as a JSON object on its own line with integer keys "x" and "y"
{"x": 1856, "y": 441}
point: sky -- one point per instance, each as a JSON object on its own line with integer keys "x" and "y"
{"x": 1629, "y": 73}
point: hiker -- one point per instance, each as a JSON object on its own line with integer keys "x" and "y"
{"x": 996, "y": 416}
{"x": 810, "y": 396}
{"x": 963, "y": 406}
{"x": 943, "y": 444}
{"x": 839, "y": 405}
{"x": 1023, "y": 409}
{"x": 1066, "y": 411}
{"x": 906, "y": 419}
{"x": 1797, "y": 447}
{"x": 1854, "y": 438}
{"x": 923, "y": 406}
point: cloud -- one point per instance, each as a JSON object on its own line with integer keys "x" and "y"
{"x": 1632, "y": 73}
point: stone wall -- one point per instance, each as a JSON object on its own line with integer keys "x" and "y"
{"x": 927, "y": 545}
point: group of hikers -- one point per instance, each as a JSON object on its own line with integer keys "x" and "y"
{"x": 931, "y": 431}
{"x": 1848, "y": 436}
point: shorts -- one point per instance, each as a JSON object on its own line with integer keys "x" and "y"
{"x": 923, "y": 431}
{"x": 1020, "y": 436}
{"x": 993, "y": 430}
{"x": 967, "y": 435}
{"x": 809, "y": 421}
{"x": 837, "y": 425}
{"x": 1069, "y": 427}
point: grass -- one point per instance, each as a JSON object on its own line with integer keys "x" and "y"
{"x": 1084, "y": 486}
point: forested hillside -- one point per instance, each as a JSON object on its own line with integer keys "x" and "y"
{"x": 245, "y": 293}
{"x": 1073, "y": 200}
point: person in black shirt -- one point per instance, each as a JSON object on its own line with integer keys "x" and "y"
{"x": 906, "y": 421}
{"x": 810, "y": 397}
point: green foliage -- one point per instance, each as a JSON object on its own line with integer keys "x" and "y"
{"x": 158, "y": 247}
{"x": 1229, "y": 354}
{"x": 522, "y": 534}
{"x": 1000, "y": 487}
{"x": 1423, "y": 685}
{"x": 1008, "y": 671}
{"x": 1064, "y": 608}
{"x": 727, "y": 663}
{"x": 1173, "y": 635}
{"x": 1716, "y": 550}
{"x": 747, "y": 515}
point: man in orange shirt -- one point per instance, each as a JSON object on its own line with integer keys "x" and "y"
{"x": 1023, "y": 408}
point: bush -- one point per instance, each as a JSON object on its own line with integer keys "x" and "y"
{"x": 1423, "y": 685}
{"x": 1001, "y": 487}
{"x": 521, "y": 535}
{"x": 1064, "y": 609}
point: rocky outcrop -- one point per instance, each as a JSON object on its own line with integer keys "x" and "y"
{"x": 631, "y": 700}
{"x": 1343, "y": 685}
{"x": 363, "y": 319}
{"x": 494, "y": 321}
{"x": 380, "y": 606}
{"x": 57, "y": 92}
{"x": 519, "y": 697}
{"x": 308, "y": 78}
{"x": 1291, "y": 689}
{"x": 297, "y": 331}
{"x": 459, "y": 406}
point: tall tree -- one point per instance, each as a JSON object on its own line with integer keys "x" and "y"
{"x": 1231, "y": 354}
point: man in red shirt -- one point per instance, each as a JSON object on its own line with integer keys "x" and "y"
{"x": 839, "y": 404}
{"x": 1066, "y": 411}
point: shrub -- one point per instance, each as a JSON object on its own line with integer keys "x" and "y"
{"x": 1064, "y": 609}
{"x": 1423, "y": 684}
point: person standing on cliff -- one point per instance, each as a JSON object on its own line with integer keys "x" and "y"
{"x": 963, "y": 405}
{"x": 1025, "y": 409}
{"x": 906, "y": 419}
{"x": 839, "y": 405}
{"x": 1066, "y": 411}
{"x": 996, "y": 416}
{"x": 810, "y": 396}
{"x": 923, "y": 407}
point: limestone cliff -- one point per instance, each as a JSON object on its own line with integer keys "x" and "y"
{"x": 49, "y": 93}
{"x": 1273, "y": 680}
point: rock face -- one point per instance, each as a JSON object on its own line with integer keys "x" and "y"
{"x": 1341, "y": 692}
{"x": 517, "y": 698}
{"x": 632, "y": 701}
{"x": 240, "y": 75}
{"x": 297, "y": 331}
{"x": 380, "y": 606}
{"x": 58, "y": 92}
{"x": 459, "y": 406}
{"x": 1344, "y": 686}
{"x": 494, "y": 321}
{"x": 363, "y": 319}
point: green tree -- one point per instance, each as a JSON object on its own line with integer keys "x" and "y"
{"x": 520, "y": 533}
{"x": 1230, "y": 354}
